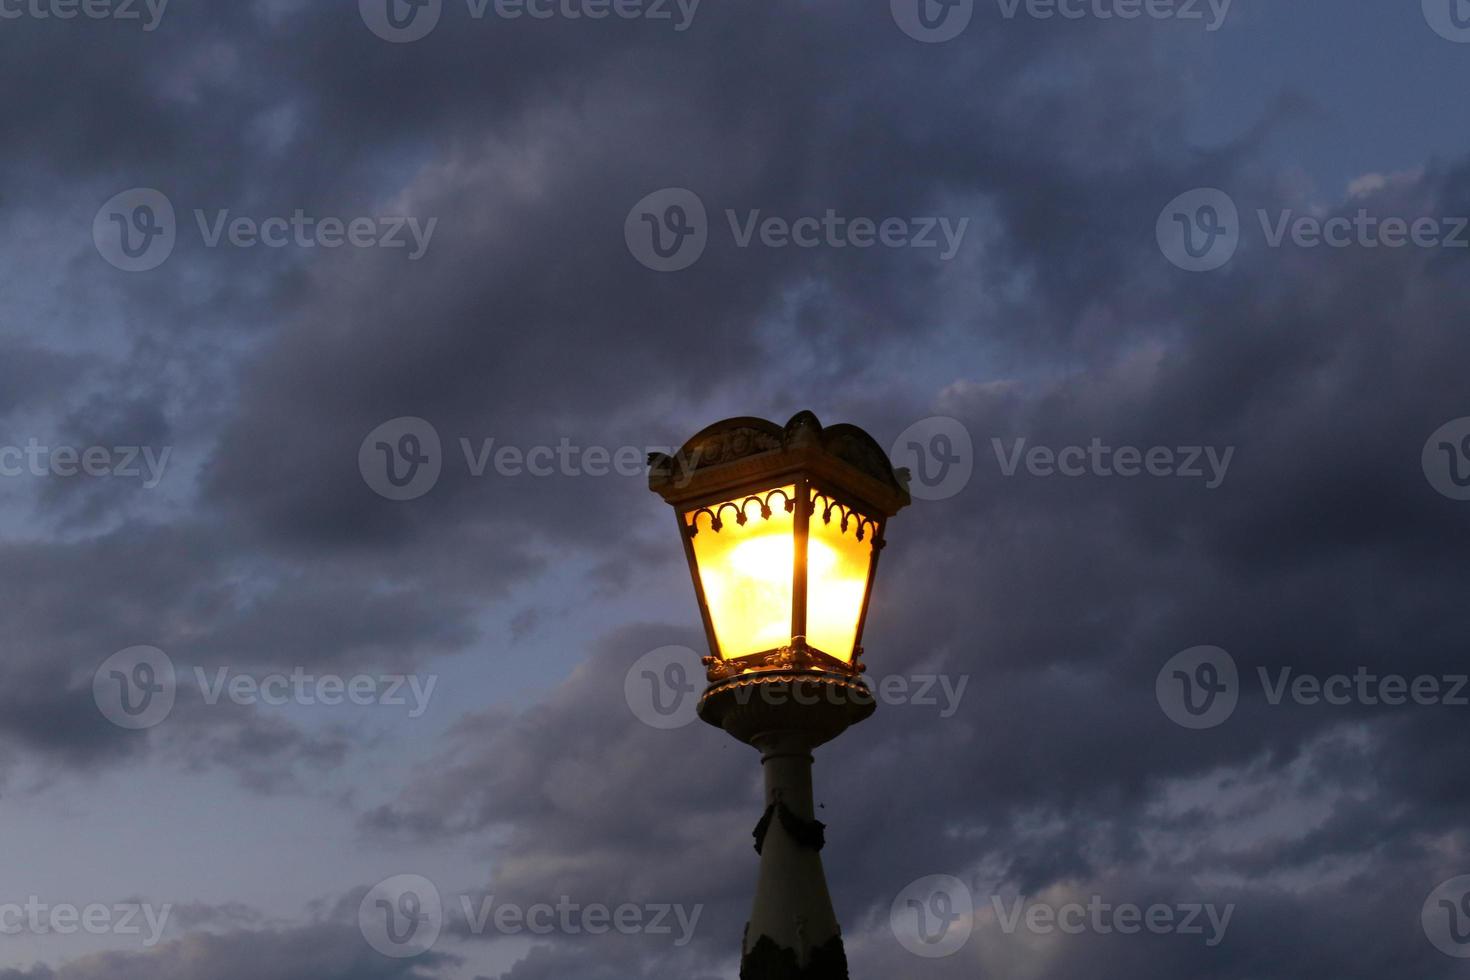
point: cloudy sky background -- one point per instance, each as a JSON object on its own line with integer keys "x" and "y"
{"x": 528, "y": 320}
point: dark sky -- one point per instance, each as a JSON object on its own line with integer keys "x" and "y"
{"x": 1220, "y": 246}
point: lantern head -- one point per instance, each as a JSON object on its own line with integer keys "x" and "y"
{"x": 782, "y": 527}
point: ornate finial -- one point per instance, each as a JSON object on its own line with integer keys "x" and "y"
{"x": 803, "y": 430}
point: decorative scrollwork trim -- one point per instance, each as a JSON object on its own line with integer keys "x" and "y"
{"x": 741, "y": 508}
{"x": 825, "y": 505}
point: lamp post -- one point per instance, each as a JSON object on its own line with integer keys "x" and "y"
{"x": 782, "y": 527}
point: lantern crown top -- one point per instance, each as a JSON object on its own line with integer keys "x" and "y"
{"x": 731, "y": 454}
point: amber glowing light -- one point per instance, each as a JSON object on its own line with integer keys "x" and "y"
{"x": 782, "y": 528}
{"x": 750, "y": 576}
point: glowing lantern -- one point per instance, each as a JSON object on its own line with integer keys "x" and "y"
{"x": 782, "y": 528}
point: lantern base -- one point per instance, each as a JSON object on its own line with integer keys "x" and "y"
{"x": 815, "y": 705}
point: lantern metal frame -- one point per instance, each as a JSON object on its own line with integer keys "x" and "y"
{"x": 838, "y": 472}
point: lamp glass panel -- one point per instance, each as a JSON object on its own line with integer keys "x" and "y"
{"x": 837, "y": 577}
{"x": 746, "y": 572}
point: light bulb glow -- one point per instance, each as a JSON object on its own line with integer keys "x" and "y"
{"x": 837, "y": 579}
{"x": 746, "y": 572}
{"x": 749, "y": 593}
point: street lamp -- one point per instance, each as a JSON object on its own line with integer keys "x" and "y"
{"x": 782, "y": 527}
